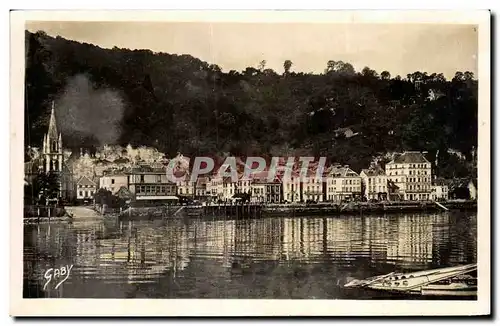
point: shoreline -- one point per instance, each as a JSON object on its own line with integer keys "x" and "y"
{"x": 252, "y": 210}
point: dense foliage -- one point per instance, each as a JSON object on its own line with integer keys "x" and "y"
{"x": 178, "y": 103}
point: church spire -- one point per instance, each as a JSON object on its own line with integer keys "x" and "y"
{"x": 52, "y": 134}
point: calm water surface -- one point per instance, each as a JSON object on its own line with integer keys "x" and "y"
{"x": 275, "y": 257}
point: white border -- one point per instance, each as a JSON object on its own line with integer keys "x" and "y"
{"x": 196, "y": 307}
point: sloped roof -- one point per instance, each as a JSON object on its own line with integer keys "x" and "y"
{"x": 410, "y": 157}
{"x": 342, "y": 171}
{"x": 86, "y": 181}
{"x": 373, "y": 172}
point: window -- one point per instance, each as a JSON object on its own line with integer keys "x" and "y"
{"x": 142, "y": 178}
{"x": 81, "y": 193}
{"x": 86, "y": 193}
{"x": 112, "y": 181}
{"x": 158, "y": 178}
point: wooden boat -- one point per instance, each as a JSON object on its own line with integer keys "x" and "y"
{"x": 454, "y": 281}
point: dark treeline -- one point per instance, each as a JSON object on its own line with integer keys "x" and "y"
{"x": 178, "y": 103}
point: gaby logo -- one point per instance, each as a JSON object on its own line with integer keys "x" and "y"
{"x": 58, "y": 275}
{"x": 236, "y": 169}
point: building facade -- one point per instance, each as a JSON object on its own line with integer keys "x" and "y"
{"x": 374, "y": 182}
{"x": 411, "y": 172}
{"x": 342, "y": 184}
{"x": 113, "y": 181}
{"x": 150, "y": 184}
{"x": 85, "y": 189}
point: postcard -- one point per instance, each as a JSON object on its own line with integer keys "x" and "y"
{"x": 250, "y": 163}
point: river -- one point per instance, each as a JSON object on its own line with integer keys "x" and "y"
{"x": 272, "y": 258}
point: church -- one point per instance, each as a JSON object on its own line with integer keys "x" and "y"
{"x": 52, "y": 159}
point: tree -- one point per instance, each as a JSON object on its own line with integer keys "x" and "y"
{"x": 46, "y": 187}
{"x": 287, "y": 65}
{"x": 385, "y": 75}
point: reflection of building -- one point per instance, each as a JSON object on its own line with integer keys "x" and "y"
{"x": 413, "y": 241}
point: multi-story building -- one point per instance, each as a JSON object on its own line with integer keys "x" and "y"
{"x": 113, "y": 181}
{"x": 186, "y": 187}
{"x": 412, "y": 174}
{"x": 292, "y": 188}
{"x": 150, "y": 185}
{"x": 374, "y": 182}
{"x": 342, "y": 183}
{"x": 312, "y": 187}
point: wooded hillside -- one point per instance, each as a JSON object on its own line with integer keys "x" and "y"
{"x": 177, "y": 103}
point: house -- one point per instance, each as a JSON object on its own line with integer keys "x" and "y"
{"x": 411, "y": 173}
{"x": 113, "y": 181}
{"x": 150, "y": 185}
{"x": 292, "y": 188}
{"x": 85, "y": 188}
{"x": 201, "y": 187}
{"x": 342, "y": 183}
{"x": 439, "y": 190}
{"x": 265, "y": 190}
{"x": 374, "y": 181}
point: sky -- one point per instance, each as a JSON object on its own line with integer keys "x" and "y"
{"x": 397, "y": 48}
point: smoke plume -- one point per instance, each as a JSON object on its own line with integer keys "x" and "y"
{"x": 84, "y": 112}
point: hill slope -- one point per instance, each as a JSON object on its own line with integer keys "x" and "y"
{"x": 180, "y": 103}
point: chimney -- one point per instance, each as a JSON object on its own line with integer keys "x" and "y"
{"x": 81, "y": 152}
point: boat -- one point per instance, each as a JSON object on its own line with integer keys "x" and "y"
{"x": 448, "y": 281}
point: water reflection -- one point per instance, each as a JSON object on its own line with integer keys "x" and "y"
{"x": 279, "y": 257}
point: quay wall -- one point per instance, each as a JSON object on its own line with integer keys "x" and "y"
{"x": 256, "y": 210}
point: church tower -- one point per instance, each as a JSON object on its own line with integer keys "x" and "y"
{"x": 52, "y": 150}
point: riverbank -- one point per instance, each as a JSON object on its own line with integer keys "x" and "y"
{"x": 252, "y": 210}
{"x": 365, "y": 208}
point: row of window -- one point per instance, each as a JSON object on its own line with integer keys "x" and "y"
{"x": 376, "y": 180}
{"x": 411, "y": 165}
{"x": 154, "y": 190}
{"x": 418, "y": 187}
{"x": 85, "y": 186}
{"x": 86, "y": 193}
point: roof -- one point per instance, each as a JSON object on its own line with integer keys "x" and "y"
{"x": 373, "y": 172}
{"x": 85, "y": 181}
{"x": 409, "y": 157}
{"x": 52, "y": 132}
{"x": 121, "y": 160}
{"x": 145, "y": 169}
{"x": 342, "y": 171}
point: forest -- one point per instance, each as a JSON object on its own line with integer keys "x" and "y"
{"x": 178, "y": 103}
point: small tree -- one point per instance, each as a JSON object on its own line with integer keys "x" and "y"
{"x": 46, "y": 187}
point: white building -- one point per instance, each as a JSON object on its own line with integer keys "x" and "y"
{"x": 374, "y": 181}
{"x": 411, "y": 173}
{"x": 342, "y": 183}
{"x": 85, "y": 188}
{"x": 113, "y": 181}
{"x": 439, "y": 192}
{"x": 291, "y": 188}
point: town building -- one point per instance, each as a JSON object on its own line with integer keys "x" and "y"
{"x": 292, "y": 190}
{"x": 113, "y": 181}
{"x": 342, "y": 184}
{"x": 312, "y": 188}
{"x": 374, "y": 181}
{"x": 439, "y": 190}
{"x": 411, "y": 173}
{"x": 85, "y": 189}
{"x": 150, "y": 185}
{"x": 52, "y": 158}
